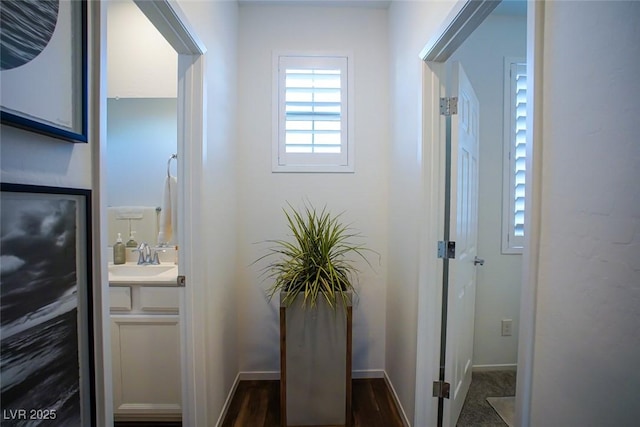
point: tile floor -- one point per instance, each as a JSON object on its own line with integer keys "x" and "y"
{"x": 476, "y": 411}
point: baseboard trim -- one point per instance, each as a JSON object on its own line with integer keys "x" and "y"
{"x": 367, "y": 373}
{"x": 504, "y": 367}
{"x": 227, "y": 402}
{"x": 275, "y": 375}
{"x": 403, "y": 415}
{"x": 259, "y": 375}
{"x": 147, "y": 418}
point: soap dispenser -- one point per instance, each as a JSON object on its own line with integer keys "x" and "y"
{"x": 119, "y": 253}
{"x": 131, "y": 243}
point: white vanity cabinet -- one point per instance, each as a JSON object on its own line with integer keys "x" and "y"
{"x": 145, "y": 351}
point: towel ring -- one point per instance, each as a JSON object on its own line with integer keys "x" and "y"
{"x": 173, "y": 156}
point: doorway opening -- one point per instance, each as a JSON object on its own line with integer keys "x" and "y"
{"x": 184, "y": 400}
{"x": 487, "y": 55}
{"x": 467, "y": 37}
{"x": 142, "y": 135}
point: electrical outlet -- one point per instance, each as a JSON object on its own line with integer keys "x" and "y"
{"x": 507, "y": 327}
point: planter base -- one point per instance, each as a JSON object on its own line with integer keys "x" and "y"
{"x": 315, "y": 359}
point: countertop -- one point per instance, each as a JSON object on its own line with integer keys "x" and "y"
{"x": 131, "y": 273}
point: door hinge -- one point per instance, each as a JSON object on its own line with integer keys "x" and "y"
{"x": 448, "y": 106}
{"x": 181, "y": 281}
{"x": 441, "y": 389}
{"x": 446, "y": 249}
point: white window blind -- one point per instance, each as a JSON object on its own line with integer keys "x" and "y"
{"x": 515, "y": 155}
{"x": 519, "y": 73}
{"x": 313, "y": 111}
{"x": 313, "y": 118}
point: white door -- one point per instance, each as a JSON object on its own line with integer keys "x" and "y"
{"x": 463, "y": 229}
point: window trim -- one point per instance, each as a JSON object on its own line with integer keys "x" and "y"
{"x": 283, "y": 163}
{"x": 511, "y": 244}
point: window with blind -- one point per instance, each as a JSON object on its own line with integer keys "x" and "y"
{"x": 515, "y": 139}
{"x": 311, "y": 97}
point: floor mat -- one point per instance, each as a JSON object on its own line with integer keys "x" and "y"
{"x": 505, "y": 407}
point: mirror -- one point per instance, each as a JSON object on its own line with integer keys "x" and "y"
{"x": 141, "y": 123}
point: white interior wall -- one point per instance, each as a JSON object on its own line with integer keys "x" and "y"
{"x": 262, "y": 194}
{"x": 30, "y": 158}
{"x": 499, "y": 280}
{"x": 588, "y": 299}
{"x": 411, "y": 25}
{"x": 142, "y": 64}
{"x": 216, "y": 23}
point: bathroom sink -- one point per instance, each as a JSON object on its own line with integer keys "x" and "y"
{"x": 132, "y": 272}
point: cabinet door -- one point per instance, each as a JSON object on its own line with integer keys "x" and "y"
{"x": 146, "y": 367}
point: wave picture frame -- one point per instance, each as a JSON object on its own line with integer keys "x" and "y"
{"x": 43, "y": 67}
{"x": 46, "y": 333}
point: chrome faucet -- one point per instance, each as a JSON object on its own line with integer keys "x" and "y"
{"x": 145, "y": 257}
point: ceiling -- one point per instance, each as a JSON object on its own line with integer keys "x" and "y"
{"x": 506, "y": 7}
{"x": 382, "y": 4}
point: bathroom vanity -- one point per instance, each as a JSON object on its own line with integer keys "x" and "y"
{"x": 145, "y": 342}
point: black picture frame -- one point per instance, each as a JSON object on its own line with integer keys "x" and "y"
{"x": 46, "y": 329}
{"x": 34, "y": 94}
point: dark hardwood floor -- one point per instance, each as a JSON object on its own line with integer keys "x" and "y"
{"x": 146, "y": 424}
{"x": 257, "y": 404}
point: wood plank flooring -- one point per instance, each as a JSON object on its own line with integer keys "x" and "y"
{"x": 146, "y": 424}
{"x": 257, "y": 404}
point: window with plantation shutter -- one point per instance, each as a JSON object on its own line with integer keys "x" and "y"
{"x": 515, "y": 155}
{"x": 311, "y": 98}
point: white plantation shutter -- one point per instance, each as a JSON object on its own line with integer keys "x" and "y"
{"x": 313, "y": 119}
{"x": 515, "y": 155}
{"x": 519, "y": 76}
{"x": 312, "y": 122}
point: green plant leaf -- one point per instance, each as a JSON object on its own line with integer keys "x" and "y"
{"x": 317, "y": 263}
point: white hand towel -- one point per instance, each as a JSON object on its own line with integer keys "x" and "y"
{"x": 168, "y": 212}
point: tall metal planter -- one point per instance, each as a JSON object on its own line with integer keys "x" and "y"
{"x": 315, "y": 363}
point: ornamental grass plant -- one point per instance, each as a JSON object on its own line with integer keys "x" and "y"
{"x": 319, "y": 263}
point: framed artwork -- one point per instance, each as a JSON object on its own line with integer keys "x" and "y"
{"x": 46, "y": 327}
{"x": 43, "y": 67}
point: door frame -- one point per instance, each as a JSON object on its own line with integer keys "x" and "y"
{"x": 171, "y": 22}
{"x": 464, "y": 18}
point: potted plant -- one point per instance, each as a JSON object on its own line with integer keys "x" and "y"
{"x": 314, "y": 276}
